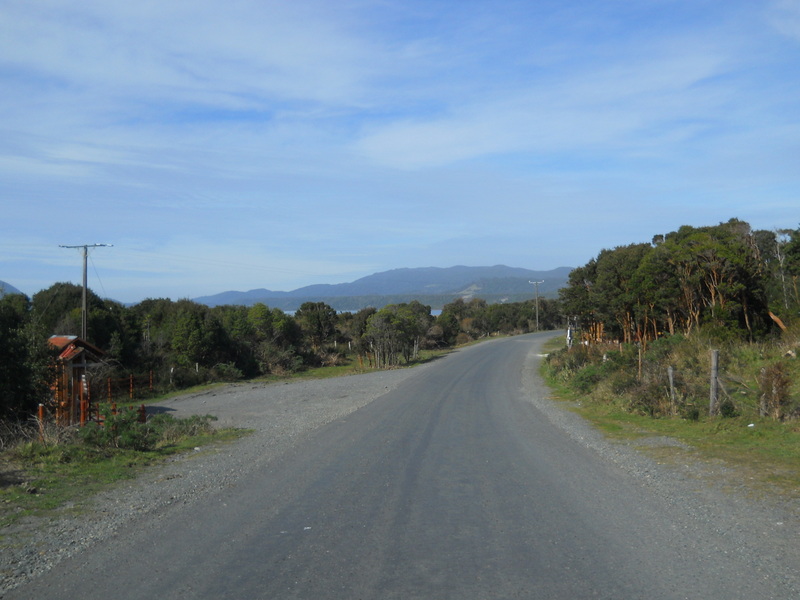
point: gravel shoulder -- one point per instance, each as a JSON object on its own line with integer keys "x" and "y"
{"x": 282, "y": 415}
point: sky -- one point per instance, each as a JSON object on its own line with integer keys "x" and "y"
{"x": 274, "y": 144}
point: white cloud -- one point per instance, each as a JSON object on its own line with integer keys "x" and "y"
{"x": 614, "y": 106}
{"x": 323, "y": 138}
{"x": 784, "y": 15}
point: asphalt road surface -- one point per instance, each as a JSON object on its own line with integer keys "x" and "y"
{"x": 452, "y": 485}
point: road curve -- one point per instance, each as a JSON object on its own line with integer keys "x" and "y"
{"x": 452, "y": 485}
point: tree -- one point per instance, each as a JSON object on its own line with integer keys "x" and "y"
{"x": 791, "y": 249}
{"x": 709, "y": 277}
{"x": 577, "y": 298}
{"x": 396, "y": 331}
{"x": 27, "y": 359}
{"x": 277, "y": 338}
{"x": 614, "y": 291}
{"x": 318, "y": 323}
{"x": 58, "y": 309}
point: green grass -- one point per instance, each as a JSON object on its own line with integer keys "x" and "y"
{"x": 763, "y": 453}
{"x": 40, "y": 479}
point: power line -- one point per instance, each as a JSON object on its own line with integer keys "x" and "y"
{"x": 84, "y": 319}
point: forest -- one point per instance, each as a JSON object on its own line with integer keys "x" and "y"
{"x": 727, "y": 280}
{"x": 700, "y": 322}
{"x": 178, "y": 344}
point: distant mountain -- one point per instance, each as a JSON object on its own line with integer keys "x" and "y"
{"x": 430, "y": 285}
{"x": 7, "y": 288}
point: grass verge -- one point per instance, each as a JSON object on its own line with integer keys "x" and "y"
{"x": 761, "y": 454}
{"x": 60, "y": 474}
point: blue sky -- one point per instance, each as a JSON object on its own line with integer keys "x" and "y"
{"x": 272, "y": 144}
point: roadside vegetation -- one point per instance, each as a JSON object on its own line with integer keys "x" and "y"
{"x": 162, "y": 346}
{"x": 646, "y": 322}
{"x": 45, "y": 467}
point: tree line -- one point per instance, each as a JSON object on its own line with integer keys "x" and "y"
{"x": 727, "y": 280}
{"x": 185, "y": 343}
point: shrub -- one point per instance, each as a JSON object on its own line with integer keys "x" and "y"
{"x": 622, "y": 382}
{"x": 587, "y": 378}
{"x": 774, "y": 385}
{"x": 120, "y": 430}
{"x": 226, "y": 372}
{"x": 169, "y": 430}
{"x": 649, "y": 399}
{"x": 690, "y": 412}
{"x": 123, "y": 430}
{"x": 727, "y": 409}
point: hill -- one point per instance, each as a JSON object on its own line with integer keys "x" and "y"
{"x": 7, "y": 288}
{"x": 434, "y": 286}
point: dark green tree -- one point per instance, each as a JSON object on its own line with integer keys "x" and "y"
{"x": 318, "y": 323}
{"x": 27, "y": 358}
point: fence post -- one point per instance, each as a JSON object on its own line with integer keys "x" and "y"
{"x": 131, "y": 392}
{"x": 671, "y": 375}
{"x": 41, "y": 423}
{"x": 714, "y": 396}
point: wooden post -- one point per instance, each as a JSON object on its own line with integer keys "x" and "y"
{"x": 131, "y": 386}
{"x": 639, "y": 375}
{"x": 714, "y": 396}
{"x": 83, "y": 405}
{"x": 671, "y": 375}
{"x": 41, "y": 423}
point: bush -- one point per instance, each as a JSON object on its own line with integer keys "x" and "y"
{"x": 649, "y": 399}
{"x": 120, "y": 430}
{"x": 622, "y": 382}
{"x": 728, "y": 410}
{"x": 124, "y": 430}
{"x": 774, "y": 383}
{"x": 586, "y": 378}
{"x": 170, "y": 430}
{"x": 225, "y": 372}
{"x": 690, "y": 412}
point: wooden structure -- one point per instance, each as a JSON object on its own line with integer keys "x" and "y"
{"x": 71, "y": 390}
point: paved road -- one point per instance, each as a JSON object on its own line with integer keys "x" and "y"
{"x": 452, "y": 485}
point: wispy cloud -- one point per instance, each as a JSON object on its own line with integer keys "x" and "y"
{"x": 329, "y": 138}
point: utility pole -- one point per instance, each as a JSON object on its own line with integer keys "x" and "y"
{"x": 536, "y": 287}
{"x": 84, "y": 319}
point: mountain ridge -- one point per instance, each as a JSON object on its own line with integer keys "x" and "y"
{"x": 7, "y": 289}
{"x": 430, "y": 285}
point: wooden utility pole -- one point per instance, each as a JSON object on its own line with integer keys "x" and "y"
{"x": 536, "y": 287}
{"x": 84, "y": 317}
